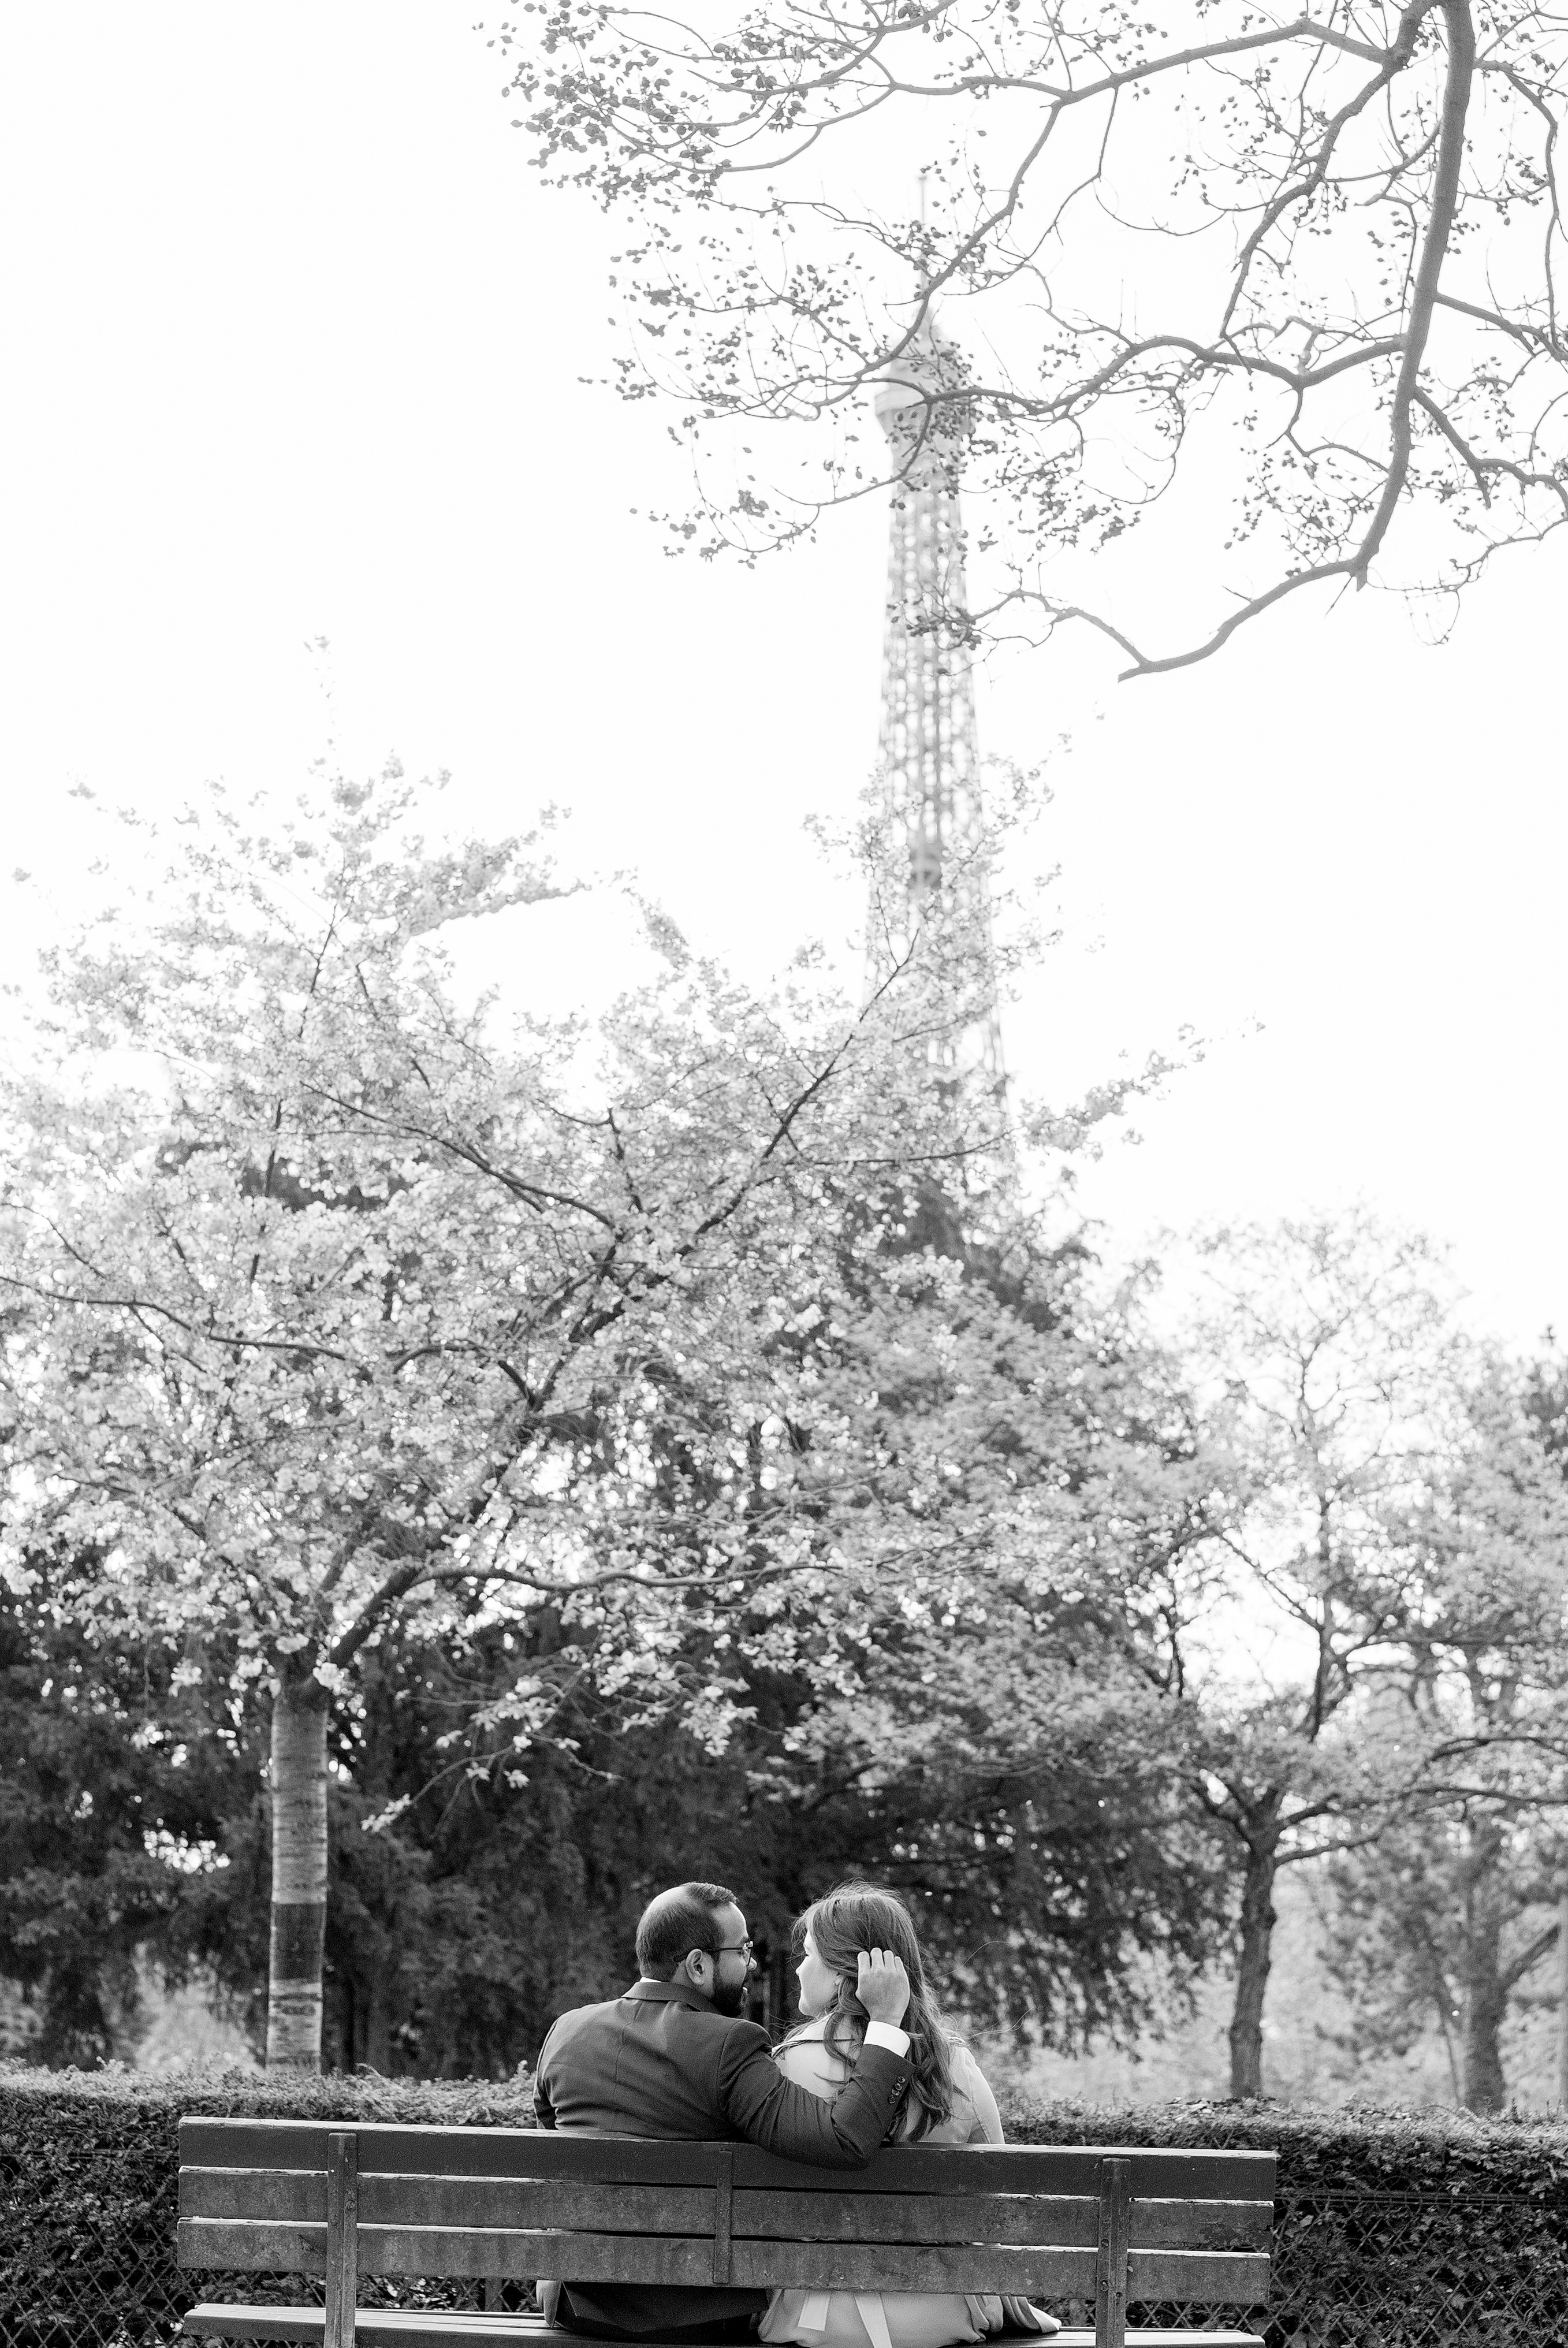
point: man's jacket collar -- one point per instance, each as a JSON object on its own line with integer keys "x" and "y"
{"x": 658, "y": 1992}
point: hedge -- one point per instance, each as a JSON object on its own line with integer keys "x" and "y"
{"x": 1363, "y": 2149}
{"x": 1409, "y": 2230}
{"x": 89, "y": 2183}
{"x": 1392, "y": 2229}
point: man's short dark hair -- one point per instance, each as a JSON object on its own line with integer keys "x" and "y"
{"x": 676, "y": 1922}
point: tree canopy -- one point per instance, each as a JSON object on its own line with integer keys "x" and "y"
{"x": 1303, "y": 269}
{"x": 340, "y": 1310}
{"x": 558, "y": 1437}
{"x": 1396, "y": 1562}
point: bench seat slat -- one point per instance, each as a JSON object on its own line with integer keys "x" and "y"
{"x": 425, "y": 2327}
{"x": 1159, "y": 2336}
{"x": 405, "y": 2328}
{"x": 900, "y": 2168}
{"x": 377, "y": 2327}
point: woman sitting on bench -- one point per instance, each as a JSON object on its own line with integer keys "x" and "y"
{"x": 949, "y": 2102}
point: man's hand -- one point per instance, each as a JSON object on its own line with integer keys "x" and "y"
{"x": 882, "y": 1987}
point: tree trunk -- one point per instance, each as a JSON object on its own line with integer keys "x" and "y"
{"x": 1485, "y": 2007}
{"x": 1254, "y": 1954}
{"x": 298, "y": 1782}
{"x": 1485, "y": 1988}
{"x": 1563, "y": 2007}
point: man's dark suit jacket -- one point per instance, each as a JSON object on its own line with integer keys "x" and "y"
{"x": 663, "y": 2061}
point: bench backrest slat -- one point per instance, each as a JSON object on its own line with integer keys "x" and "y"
{"x": 1234, "y": 2278}
{"x": 299, "y": 2196}
{"x": 1202, "y": 2226}
{"x": 1196, "y": 2176}
{"x": 386, "y": 2149}
{"x": 1167, "y": 2173}
{"x": 263, "y": 2248}
{"x": 227, "y": 2244}
{"x": 1069, "y": 2220}
{"x": 1057, "y": 2271}
{"x": 1217, "y": 2278}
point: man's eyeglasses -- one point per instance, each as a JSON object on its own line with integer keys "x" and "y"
{"x": 733, "y": 1949}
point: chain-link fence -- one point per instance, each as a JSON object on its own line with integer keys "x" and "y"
{"x": 1420, "y": 2271}
{"x": 1406, "y": 2271}
{"x": 1351, "y": 2271}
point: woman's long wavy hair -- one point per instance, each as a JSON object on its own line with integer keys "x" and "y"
{"x": 856, "y": 1916}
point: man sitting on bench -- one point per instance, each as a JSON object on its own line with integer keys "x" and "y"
{"x": 674, "y": 2058}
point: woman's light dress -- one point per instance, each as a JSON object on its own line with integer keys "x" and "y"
{"x": 888, "y": 2318}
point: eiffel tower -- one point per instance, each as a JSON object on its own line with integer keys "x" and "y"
{"x": 929, "y": 762}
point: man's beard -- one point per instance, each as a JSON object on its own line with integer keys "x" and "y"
{"x": 731, "y": 2000}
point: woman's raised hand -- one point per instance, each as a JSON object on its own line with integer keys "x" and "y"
{"x": 882, "y": 1987}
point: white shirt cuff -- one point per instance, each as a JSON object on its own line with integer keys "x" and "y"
{"x": 885, "y": 2033}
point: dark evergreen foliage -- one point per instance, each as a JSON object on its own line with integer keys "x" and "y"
{"x": 100, "y": 1754}
{"x": 479, "y": 1892}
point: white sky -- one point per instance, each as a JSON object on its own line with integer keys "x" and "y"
{"x": 294, "y": 348}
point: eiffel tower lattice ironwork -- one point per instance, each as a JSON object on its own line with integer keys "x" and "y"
{"x": 928, "y": 763}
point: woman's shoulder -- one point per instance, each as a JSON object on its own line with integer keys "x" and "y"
{"x": 807, "y": 2061}
{"x": 804, "y": 2034}
{"x": 971, "y": 2113}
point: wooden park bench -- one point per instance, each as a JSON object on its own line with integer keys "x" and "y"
{"x": 1050, "y": 2223}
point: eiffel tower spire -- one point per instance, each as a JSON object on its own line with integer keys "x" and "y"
{"x": 928, "y": 764}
